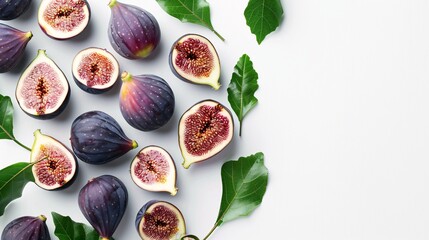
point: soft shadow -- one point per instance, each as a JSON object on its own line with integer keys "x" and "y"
{"x": 67, "y": 112}
{"x": 22, "y": 64}
{"x": 170, "y": 126}
{"x": 83, "y": 36}
{"x": 30, "y": 14}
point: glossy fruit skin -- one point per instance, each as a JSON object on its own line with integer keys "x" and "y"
{"x": 141, "y": 215}
{"x": 97, "y": 138}
{"x": 134, "y": 33}
{"x": 12, "y": 9}
{"x": 103, "y": 201}
{"x": 147, "y": 102}
{"x": 26, "y": 228}
{"x": 12, "y": 46}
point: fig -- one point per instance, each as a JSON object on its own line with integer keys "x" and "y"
{"x": 63, "y": 19}
{"x": 12, "y": 9}
{"x": 95, "y": 70}
{"x": 205, "y": 129}
{"x": 43, "y": 90}
{"x": 153, "y": 169}
{"x": 146, "y": 101}
{"x": 97, "y": 138}
{"x": 194, "y": 59}
{"x": 55, "y": 165}
{"x": 103, "y": 201}
{"x": 26, "y": 228}
{"x": 133, "y": 32}
{"x": 12, "y": 45}
{"x": 160, "y": 220}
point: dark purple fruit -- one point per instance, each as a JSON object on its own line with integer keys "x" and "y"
{"x": 12, "y": 46}
{"x": 97, "y": 138}
{"x": 133, "y": 32}
{"x": 204, "y": 130}
{"x": 95, "y": 70}
{"x": 11, "y": 9}
{"x": 194, "y": 59}
{"x": 146, "y": 101}
{"x": 159, "y": 220}
{"x": 103, "y": 201}
{"x": 58, "y": 168}
{"x": 43, "y": 90}
{"x": 26, "y": 228}
{"x": 153, "y": 169}
{"x": 63, "y": 19}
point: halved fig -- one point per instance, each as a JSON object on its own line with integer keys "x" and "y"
{"x": 12, "y": 9}
{"x": 12, "y": 45}
{"x": 55, "y": 166}
{"x": 194, "y": 59}
{"x": 63, "y": 19}
{"x": 204, "y": 130}
{"x": 134, "y": 33}
{"x": 26, "y": 228}
{"x": 153, "y": 169}
{"x": 160, "y": 220}
{"x": 95, "y": 70}
{"x": 43, "y": 90}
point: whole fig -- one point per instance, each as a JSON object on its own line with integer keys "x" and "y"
{"x": 12, "y": 9}
{"x": 103, "y": 201}
{"x": 97, "y": 138}
{"x": 26, "y": 228}
{"x": 146, "y": 101}
{"x": 12, "y": 46}
{"x": 133, "y": 32}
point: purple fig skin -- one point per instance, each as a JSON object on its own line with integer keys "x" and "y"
{"x": 147, "y": 101}
{"x": 134, "y": 33}
{"x": 12, "y": 9}
{"x": 26, "y": 228}
{"x": 12, "y": 46}
{"x": 103, "y": 201}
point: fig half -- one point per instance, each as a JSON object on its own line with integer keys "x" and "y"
{"x": 160, "y": 220}
{"x": 55, "y": 165}
{"x": 43, "y": 90}
{"x": 194, "y": 59}
{"x": 204, "y": 130}
{"x": 63, "y": 19}
{"x": 26, "y": 228}
{"x": 153, "y": 169}
{"x": 12, "y": 45}
{"x": 95, "y": 70}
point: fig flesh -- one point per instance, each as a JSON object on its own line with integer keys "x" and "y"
{"x": 194, "y": 59}
{"x": 12, "y": 45}
{"x": 13, "y": 9}
{"x": 147, "y": 101}
{"x": 43, "y": 90}
{"x": 204, "y": 130}
{"x": 26, "y": 228}
{"x": 103, "y": 201}
{"x": 153, "y": 169}
{"x": 160, "y": 220}
{"x": 97, "y": 138}
{"x": 55, "y": 165}
{"x": 63, "y": 19}
{"x": 95, "y": 70}
{"x": 133, "y": 32}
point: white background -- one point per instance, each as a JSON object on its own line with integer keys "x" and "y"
{"x": 342, "y": 119}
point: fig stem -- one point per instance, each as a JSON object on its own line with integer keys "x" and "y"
{"x": 14, "y": 139}
{"x": 211, "y": 231}
{"x": 112, "y": 3}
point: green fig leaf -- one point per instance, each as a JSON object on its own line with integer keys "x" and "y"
{"x": 6, "y": 118}
{"x": 242, "y": 88}
{"x": 193, "y": 11}
{"x": 263, "y": 17}
{"x": 67, "y": 229}
{"x": 244, "y": 184}
{"x": 12, "y": 182}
